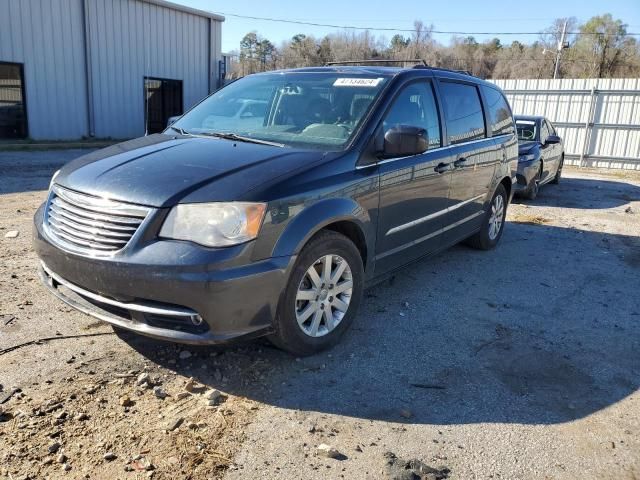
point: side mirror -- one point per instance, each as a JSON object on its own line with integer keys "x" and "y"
{"x": 552, "y": 139}
{"x": 404, "y": 141}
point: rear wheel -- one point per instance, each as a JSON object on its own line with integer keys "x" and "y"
{"x": 322, "y": 297}
{"x": 493, "y": 222}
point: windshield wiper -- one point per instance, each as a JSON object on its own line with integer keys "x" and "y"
{"x": 181, "y": 131}
{"x": 241, "y": 138}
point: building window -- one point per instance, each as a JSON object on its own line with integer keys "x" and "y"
{"x": 162, "y": 100}
{"x": 13, "y": 112}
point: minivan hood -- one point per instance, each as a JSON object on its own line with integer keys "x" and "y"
{"x": 162, "y": 170}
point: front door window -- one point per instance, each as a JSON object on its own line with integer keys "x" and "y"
{"x": 415, "y": 106}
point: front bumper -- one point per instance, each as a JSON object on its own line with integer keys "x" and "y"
{"x": 525, "y": 175}
{"x": 170, "y": 290}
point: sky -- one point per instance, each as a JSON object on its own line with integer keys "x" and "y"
{"x": 448, "y": 15}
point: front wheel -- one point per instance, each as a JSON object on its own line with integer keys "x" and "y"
{"x": 322, "y": 297}
{"x": 556, "y": 179}
{"x": 534, "y": 188}
{"x": 492, "y": 223}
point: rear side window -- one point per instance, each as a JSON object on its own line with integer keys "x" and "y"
{"x": 463, "y": 112}
{"x": 499, "y": 112}
{"x": 415, "y": 106}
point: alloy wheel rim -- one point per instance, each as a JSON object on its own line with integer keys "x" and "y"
{"x": 496, "y": 218}
{"x": 324, "y": 295}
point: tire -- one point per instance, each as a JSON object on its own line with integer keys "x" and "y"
{"x": 556, "y": 179}
{"x": 532, "y": 192}
{"x": 294, "y": 323}
{"x": 487, "y": 238}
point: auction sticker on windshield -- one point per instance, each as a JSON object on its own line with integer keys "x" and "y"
{"x": 357, "y": 82}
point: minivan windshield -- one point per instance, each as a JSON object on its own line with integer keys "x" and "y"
{"x": 301, "y": 109}
{"x": 527, "y": 130}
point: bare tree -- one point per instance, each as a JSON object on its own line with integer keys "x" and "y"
{"x": 604, "y": 45}
{"x": 601, "y": 48}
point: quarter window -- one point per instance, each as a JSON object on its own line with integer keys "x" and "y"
{"x": 463, "y": 112}
{"x": 415, "y": 106}
{"x": 499, "y": 112}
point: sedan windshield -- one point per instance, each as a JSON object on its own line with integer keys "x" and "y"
{"x": 302, "y": 109}
{"x": 527, "y": 130}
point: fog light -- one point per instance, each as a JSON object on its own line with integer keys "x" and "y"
{"x": 197, "y": 320}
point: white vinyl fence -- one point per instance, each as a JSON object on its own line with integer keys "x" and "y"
{"x": 598, "y": 119}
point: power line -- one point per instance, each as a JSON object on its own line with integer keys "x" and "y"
{"x": 406, "y": 30}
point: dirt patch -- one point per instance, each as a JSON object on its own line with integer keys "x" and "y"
{"x": 620, "y": 174}
{"x": 103, "y": 426}
{"x": 528, "y": 219}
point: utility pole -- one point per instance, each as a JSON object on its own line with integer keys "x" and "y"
{"x": 561, "y": 45}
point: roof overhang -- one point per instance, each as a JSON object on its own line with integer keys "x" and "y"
{"x": 184, "y": 8}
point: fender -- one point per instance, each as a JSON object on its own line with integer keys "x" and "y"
{"x": 497, "y": 180}
{"x": 317, "y": 216}
{"x": 505, "y": 171}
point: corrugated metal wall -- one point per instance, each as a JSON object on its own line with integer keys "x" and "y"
{"x": 47, "y": 37}
{"x": 599, "y": 119}
{"x": 127, "y": 40}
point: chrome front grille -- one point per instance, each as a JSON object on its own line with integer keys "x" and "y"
{"x": 90, "y": 224}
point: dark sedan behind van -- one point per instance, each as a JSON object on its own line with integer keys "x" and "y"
{"x": 540, "y": 155}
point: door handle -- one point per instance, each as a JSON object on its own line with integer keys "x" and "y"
{"x": 460, "y": 162}
{"x": 443, "y": 167}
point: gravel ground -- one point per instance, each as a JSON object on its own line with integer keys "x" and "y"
{"x": 522, "y": 362}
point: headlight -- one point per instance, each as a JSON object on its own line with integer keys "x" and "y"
{"x": 214, "y": 224}
{"x": 526, "y": 158}
{"x": 53, "y": 179}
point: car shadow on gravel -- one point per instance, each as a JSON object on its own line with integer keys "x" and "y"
{"x": 605, "y": 194}
{"x": 464, "y": 337}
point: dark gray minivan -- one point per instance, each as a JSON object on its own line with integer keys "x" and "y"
{"x": 267, "y": 208}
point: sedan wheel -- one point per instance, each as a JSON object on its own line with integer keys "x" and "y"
{"x": 324, "y": 295}
{"x": 556, "y": 179}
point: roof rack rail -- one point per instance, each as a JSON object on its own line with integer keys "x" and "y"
{"x": 465, "y": 72}
{"x": 418, "y": 61}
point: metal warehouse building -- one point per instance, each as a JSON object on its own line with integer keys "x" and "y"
{"x": 102, "y": 68}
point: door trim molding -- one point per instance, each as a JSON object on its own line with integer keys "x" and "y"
{"x": 431, "y": 150}
{"x": 431, "y": 216}
{"x": 427, "y": 237}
